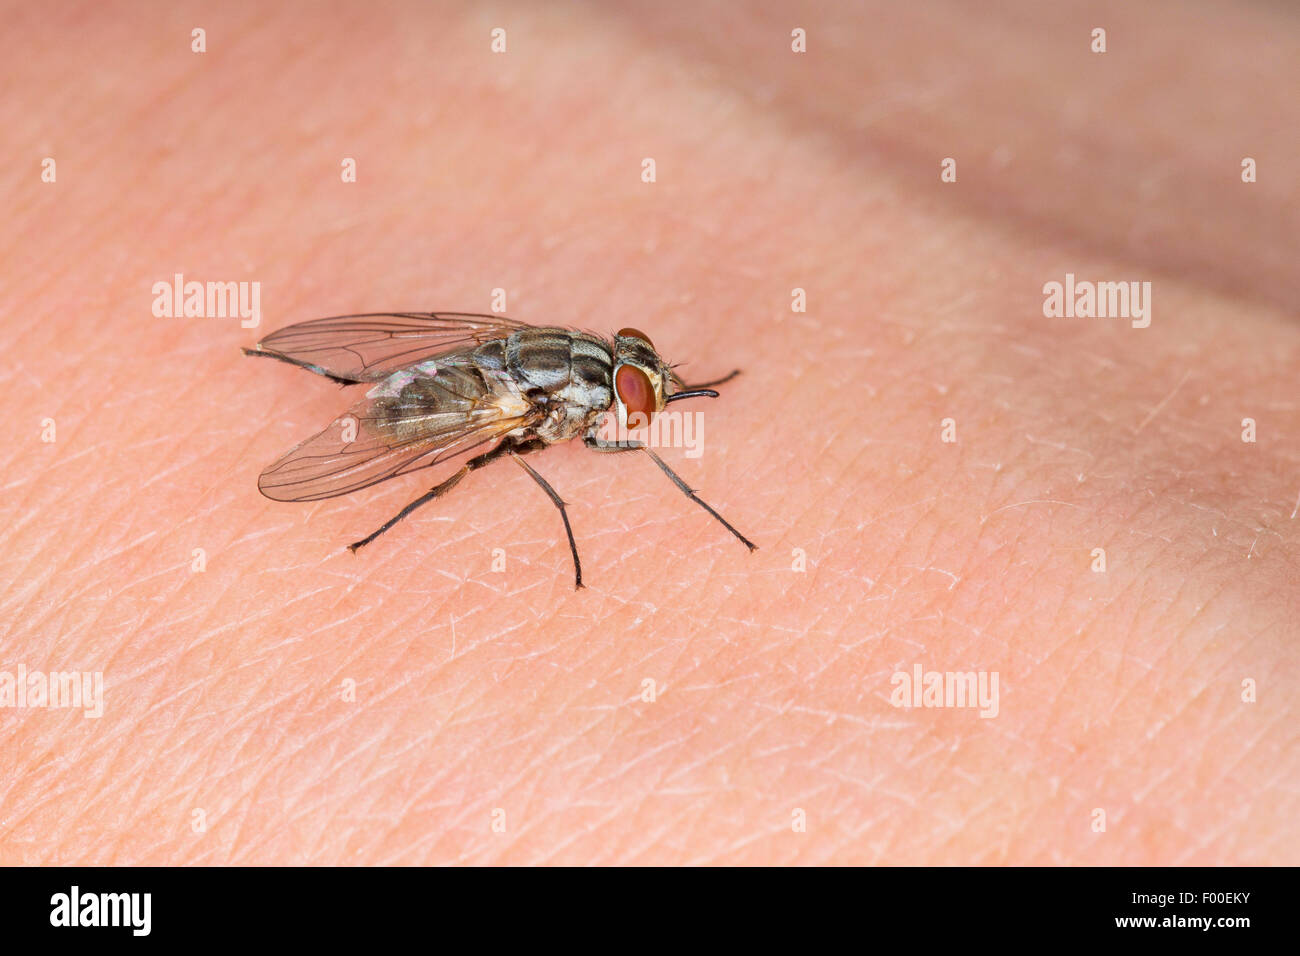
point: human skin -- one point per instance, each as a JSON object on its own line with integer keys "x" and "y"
{"x": 229, "y": 734}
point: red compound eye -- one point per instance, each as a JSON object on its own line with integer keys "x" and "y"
{"x": 631, "y": 333}
{"x": 636, "y": 393}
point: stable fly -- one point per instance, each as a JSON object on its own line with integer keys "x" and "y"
{"x": 445, "y": 383}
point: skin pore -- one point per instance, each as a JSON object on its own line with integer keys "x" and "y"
{"x": 294, "y": 703}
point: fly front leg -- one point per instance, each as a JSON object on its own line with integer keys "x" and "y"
{"x": 690, "y": 493}
{"x": 595, "y": 444}
{"x": 598, "y": 444}
{"x": 436, "y": 492}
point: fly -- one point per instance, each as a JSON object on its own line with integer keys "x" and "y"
{"x": 445, "y": 383}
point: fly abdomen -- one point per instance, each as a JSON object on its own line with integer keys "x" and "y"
{"x": 539, "y": 359}
{"x": 557, "y": 364}
{"x": 490, "y": 356}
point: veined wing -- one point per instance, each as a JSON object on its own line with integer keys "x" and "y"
{"x": 415, "y": 419}
{"x": 367, "y": 348}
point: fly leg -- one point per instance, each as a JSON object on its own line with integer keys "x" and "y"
{"x": 689, "y": 493}
{"x": 595, "y": 444}
{"x": 311, "y": 368}
{"x": 516, "y": 453}
{"x": 436, "y": 492}
{"x": 599, "y": 444}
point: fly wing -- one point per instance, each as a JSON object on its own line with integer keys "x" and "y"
{"x": 367, "y": 348}
{"x": 415, "y": 419}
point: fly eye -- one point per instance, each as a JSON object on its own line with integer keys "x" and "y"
{"x": 636, "y": 393}
{"x": 635, "y": 334}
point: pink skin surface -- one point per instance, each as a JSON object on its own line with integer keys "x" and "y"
{"x": 230, "y": 733}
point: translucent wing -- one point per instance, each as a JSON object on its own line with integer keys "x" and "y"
{"x": 416, "y": 418}
{"x": 367, "y": 348}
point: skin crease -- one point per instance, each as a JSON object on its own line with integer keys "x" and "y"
{"x": 476, "y": 692}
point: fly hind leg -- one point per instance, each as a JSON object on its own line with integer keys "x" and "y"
{"x": 436, "y": 492}
{"x": 258, "y": 353}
